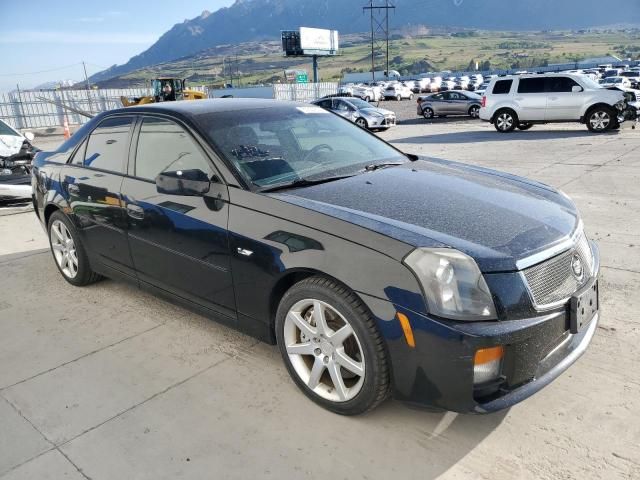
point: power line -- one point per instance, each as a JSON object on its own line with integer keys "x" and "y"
{"x": 40, "y": 71}
{"x": 379, "y": 11}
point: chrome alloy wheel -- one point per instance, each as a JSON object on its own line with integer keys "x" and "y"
{"x": 64, "y": 249}
{"x": 504, "y": 121}
{"x": 324, "y": 350}
{"x": 600, "y": 120}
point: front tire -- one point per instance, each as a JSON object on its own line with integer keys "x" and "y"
{"x": 505, "y": 121}
{"x": 68, "y": 251}
{"x": 427, "y": 113}
{"x": 361, "y": 122}
{"x": 331, "y": 346}
{"x": 600, "y": 119}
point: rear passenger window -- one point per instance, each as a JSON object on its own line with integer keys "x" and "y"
{"x": 560, "y": 84}
{"x": 108, "y": 145}
{"x": 531, "y": 85}
{"x": 502, "y": 87}
{"x": 164, "y": 146}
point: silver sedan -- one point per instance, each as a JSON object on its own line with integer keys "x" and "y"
{"x": 359, "y": 112}
{"x": 449, "y": 103}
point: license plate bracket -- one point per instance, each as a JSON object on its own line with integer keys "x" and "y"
{"x": 583, "y": 308}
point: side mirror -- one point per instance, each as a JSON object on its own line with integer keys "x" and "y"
{"x": 29, "y": 136}
{"x": 194, "y": 183}
{"x": 577, "y": 88}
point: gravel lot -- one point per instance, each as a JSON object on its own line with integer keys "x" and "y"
{"x": 107, "y": 382}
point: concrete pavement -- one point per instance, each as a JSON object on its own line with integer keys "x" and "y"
{"x": 109, "y": 382}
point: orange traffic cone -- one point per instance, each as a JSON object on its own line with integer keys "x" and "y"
{"x": 67, "y": 133}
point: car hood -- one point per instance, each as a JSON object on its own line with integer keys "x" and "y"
{"x": 10, "y": 144}
{"x": 499, "y": 219}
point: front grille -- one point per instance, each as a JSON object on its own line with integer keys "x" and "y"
{"x": 553, "y": 281}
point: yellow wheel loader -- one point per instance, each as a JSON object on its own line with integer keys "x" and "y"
{"x": 165, "y": 90}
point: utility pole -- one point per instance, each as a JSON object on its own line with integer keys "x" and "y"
{"x": 379, "y": 15}
{"x": 86, "y": 79}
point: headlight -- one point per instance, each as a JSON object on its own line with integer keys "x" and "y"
{"x": 452, "y": 283}
{"x": 374, "y": 115}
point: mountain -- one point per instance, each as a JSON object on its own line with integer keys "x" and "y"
{"x": 254, "y": 20}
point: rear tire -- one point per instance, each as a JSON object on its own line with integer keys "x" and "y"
{"x": 307, "y": 347}
{"x": 68, "y": 251}
{"x": 505, "y": 120}
{"x": 398, "y": 98}
{"x": 600, "y": 119}
{"x": 474, "y": 111}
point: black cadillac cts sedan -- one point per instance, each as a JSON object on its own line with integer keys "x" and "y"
{"x": 374, "y": 271}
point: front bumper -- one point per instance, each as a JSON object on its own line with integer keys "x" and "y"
{"x": 438, "y": 372}
{"x": 381, "y": 122}
{"x": 15, "y": 186}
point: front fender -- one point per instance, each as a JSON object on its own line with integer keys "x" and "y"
{"x": 269, "y": 239}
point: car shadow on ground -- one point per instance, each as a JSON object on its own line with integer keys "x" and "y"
{"x": 424, "y": 121}
{"x": 442, "y": 438}
{"x": 493, "y": 136}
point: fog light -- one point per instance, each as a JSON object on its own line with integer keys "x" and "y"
{"x": 487, "y": 364}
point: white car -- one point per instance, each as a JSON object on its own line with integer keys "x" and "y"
{"x": 621, "y": 82}
{"x": 16, "y": 153}
{"x": 398, "y": 91}
{"x": 11, "y": 140}
{"x": 520, "y": 101}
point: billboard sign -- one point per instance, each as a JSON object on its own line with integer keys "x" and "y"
{"x": 318, "y": 39}
{"x": 309, "y": 41}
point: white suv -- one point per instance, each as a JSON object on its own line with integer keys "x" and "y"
{"x": 524, "y": 100}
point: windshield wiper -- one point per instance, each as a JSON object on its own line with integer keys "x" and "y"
{"x": 378, "y": 166}
{"x": 303, "y": 182}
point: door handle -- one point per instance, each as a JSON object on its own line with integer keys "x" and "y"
{"x": 73, "y": 189}
{"x": 134, "y": 211}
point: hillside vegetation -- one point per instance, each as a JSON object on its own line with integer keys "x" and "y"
{"x": 410, "y": 53}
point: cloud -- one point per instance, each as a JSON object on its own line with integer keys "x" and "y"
{"x": 75, "y": 38}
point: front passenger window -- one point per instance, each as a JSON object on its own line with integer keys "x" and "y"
{"x": 164, "y": 146}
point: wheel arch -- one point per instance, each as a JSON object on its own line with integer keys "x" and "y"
{"x": 499, "y": 109}
{"x": 48, "y": 211}
{"x": 587, "y": 110}
{"x": 293, "y": 276}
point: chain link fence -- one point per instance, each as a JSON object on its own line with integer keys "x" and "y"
{"x": 28, "y": 109}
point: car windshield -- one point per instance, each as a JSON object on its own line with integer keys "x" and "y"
{"x": 284, "y": 144}
{"x": 7, "y": 130}
{"x": 590, "y": 83}
{"x": 358, "y": 103}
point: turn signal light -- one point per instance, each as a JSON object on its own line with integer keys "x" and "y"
{"x": 406, "y": 328}
{"x": 487, "y": 364}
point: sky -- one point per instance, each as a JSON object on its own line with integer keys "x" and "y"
{"x": 43, "y": 41}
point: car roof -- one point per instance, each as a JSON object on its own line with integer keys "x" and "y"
{"x": 194, "y": 108}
